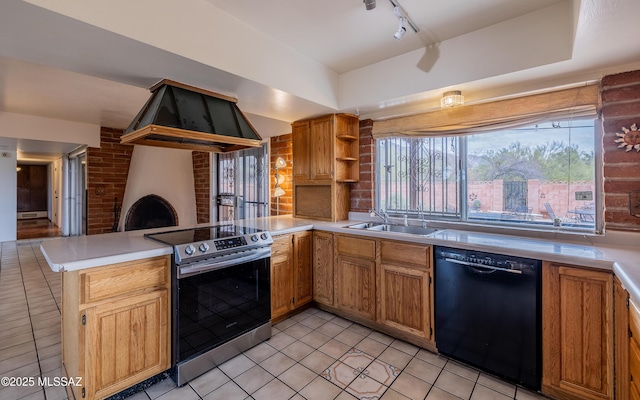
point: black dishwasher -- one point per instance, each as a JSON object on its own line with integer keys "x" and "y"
{"x": 487, "y": 312}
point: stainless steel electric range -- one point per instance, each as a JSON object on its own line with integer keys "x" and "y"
{"x": 220, "y": 295}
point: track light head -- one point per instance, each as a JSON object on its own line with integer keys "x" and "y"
{"x": 400, "y": 33}
{"x": 401, "y": 29}
{"x": 369, "y": 4}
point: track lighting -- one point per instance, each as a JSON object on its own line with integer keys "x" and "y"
{"x": 401, "y": 28}
{"x": 403, "y": 20}
{"x": 369, "y": 4}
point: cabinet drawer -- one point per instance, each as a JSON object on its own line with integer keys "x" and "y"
{"x": 405, "y": 253}
{"x": 281, "y": 246}
{"x": 358, "y": 247}
{"x": 115, "y": 280}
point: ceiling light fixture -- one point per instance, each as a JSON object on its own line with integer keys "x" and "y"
{"x": 451, "y": 99}
{"x": 401, "y": 28}
{"x": 403, "y": 20}
{"x": 369, "y": 4}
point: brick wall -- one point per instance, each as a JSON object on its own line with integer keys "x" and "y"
{"x": 202, "y": 182}
{"x": 107, "y": 170}
{"x": 362, "y": 192}
{"x": 620, "y": 95}
{"x": 281, "y": 146}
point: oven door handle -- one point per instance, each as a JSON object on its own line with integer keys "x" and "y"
{"x": 226, "y": 261}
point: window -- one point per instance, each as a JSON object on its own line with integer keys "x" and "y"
{"x": 542, "y": 176}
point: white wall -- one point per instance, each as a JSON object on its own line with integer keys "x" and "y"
{"x": 23, "y": 126}
{"x": 167, "y": 173}
{"x": 8, "y": 195}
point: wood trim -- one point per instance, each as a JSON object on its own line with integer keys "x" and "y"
{"x": 621, "y": 318}
{"x": 185, "y": 134}
{"x": 169, "y": 82}
{"x": 491, "y": 111}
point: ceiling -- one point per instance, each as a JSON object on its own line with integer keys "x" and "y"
{"x": 92, "y": 61}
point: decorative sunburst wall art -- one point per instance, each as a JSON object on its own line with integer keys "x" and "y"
{"x": 629, "y": 138}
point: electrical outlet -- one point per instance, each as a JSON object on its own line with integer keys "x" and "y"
{"x": 634, "y": 204}
{"x": 586, "y": 195}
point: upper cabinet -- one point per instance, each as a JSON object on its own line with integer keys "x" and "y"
{"x": 325, "y": 161}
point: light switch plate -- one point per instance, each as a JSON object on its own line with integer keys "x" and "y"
{"x": 585, "y": 195}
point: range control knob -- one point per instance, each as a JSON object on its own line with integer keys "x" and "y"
{"x": 190, "y": 250}
{"x": 254, "y": 238}
{"x": 263, "y": 236}
{"x": 203, "y": 247}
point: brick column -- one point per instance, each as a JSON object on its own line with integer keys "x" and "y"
{"x": 362, "y": 192}
{"x": 620, "y": 94}
{"x": 202, "y": 183}
{"x": 107, "y": 172}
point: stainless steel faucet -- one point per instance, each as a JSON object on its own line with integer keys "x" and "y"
{"x": 421, "y": 215}
{"x": 382, "y": 214}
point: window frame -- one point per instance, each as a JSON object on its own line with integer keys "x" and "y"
{"x": 462, "y": 218}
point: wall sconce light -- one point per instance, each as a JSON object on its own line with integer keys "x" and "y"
{"x": 451, "y": 99}
{"x": 369, "y": 4}
{"x": 278, "y": 191}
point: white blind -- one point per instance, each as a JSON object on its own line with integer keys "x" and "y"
{"x": 510, "y": 113}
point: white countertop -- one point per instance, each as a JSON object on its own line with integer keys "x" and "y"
{"x": 73, "y": 253}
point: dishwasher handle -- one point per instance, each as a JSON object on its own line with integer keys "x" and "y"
{"x": 475, "y": 265}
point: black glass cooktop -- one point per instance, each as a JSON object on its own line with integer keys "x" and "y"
{"x": 186, "y": 236}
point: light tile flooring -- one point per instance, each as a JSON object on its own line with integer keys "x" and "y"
{"x": 312, "y": 355}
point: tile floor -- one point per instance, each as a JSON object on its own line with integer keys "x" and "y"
{"x": 313, "y": 355}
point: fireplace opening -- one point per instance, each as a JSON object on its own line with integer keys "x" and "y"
{"x": 151, "y": 211}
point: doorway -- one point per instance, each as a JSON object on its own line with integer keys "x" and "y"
{"x": 242, "y": 184}
{"x": 33, "y": 188}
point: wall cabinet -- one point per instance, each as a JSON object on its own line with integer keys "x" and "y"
{"x": 323, "y": 267}
{"x": 325, "y": 161}
{"x": 405, "y": 288}
{"x": 291, "y": 273}
{"x": 115, "y": 321}
{"x": 577, "y": 321}
{"x": 355, "y": 276}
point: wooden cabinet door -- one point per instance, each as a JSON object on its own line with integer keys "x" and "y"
{"x": 126, "y": 342}
{"x": 623, "y": 307}
{"x": 404, "y": 299}
{"x": 300, "y": 149}
{"x": 404, "y": 291}
{"x": 281, "y": 276}
{"x": 356, "y": 286}
{"x": 577, "y": 343}
{"x": 323, "y": 267}
{"x": 321, "y": 149}
{"x": 632, "y": 371}
{"x": 303, "y": 269}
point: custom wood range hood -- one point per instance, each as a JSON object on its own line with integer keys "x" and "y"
{"x": 185, "y": 117}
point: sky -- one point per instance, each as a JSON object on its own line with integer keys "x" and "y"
{"x": 581, "y": 133}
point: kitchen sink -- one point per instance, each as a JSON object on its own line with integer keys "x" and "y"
{"x": 365, "y": 225}
{"x": 412, "y": 230}
{"x": 381, "y": 227}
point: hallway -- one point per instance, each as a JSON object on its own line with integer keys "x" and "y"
{"x": 36, "y": 228}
